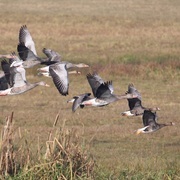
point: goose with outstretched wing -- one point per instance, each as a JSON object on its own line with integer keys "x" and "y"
{"x": 17, "y": 79}
{"x": 27, "y": 51}
{"x": 135, "y": 104}
{"x": 60, "y": 75}
{"x": 102, "y": 91}
{"x": 150, "y": 123}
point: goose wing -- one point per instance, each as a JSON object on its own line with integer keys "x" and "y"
{"x": 25, "y": 53}
{"x": 133, "y": 90}
{"x": 18, "y": 76}
{"x": 6, "y": 69}
{"x": 149, "y": 118}
{"x": 79, "y": 99}
{"x": 94, "y": 81}
{"x": 52, "y": 55}
{"x": 3, "y": 83}
{"x": 104, "y": 91}
{"x": 26, "y": 38}
{"x": 134, "y": 102}
{"x": 60, "y": 77}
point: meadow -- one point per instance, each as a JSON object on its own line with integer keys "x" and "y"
{"x": 124, "y": 41}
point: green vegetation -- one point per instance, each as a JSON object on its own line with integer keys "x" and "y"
{"x": 124, "y": 41}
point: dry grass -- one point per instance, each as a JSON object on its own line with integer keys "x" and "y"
{"x": 65, "y": 157}
{"x": 126, "y": 41}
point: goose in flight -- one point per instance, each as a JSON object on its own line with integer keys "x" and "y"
{"x": 27, "y": 51}
{"x": 77, "y": 100}
{"x": 102, "y": 91}
{"x": 17, "y": 79}
{"x": 150, "y": 123}
{"x": 135, "y": 104}
{"x": 59, "y": 73}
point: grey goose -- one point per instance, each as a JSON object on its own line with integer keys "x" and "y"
{"x": 135, "y": 105}
{"x": 27, "y": 51}
{"x": 150, "y": 123}
{"x": 102, "y": 91}
{"x": 17, "y": 79}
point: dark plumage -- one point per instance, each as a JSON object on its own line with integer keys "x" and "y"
{"x": 135, "y": 104}
{"x": 150, "y": 123}
{"x": 77, "y": 100}
{"x": 27, "y": 51}
{"x": 16, "y": 78}
{"x": 59, "y": 73}
{"x": 60, "y": 78}
{"x": 102, "y": 91}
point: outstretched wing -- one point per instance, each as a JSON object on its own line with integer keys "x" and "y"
{"x": 79, "y": 99}
{"x": 52, "y": 55}
{"x": 25, "y": 53}
{"x": 26, "y": 38}
{"x": 134, "y": 102}
{"x": 103, "y": 90}
{"x": 149, "y": 118}
{"x": 17, "y": 76}
{"x": 94, "y": 81}
{"x": 60, "y": 77}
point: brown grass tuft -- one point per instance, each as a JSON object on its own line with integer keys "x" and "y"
{"x": 65, "y": 156}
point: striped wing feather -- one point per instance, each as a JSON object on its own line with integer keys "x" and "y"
{"x": 60, "y": 78}
{"x": 26, "y": 38}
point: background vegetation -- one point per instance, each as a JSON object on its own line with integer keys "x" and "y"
{"x": 124, "y": 41}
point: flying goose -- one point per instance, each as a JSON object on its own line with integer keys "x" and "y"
{"x": 17, "y": 79}
{"x": 59, "y": 73}
{"x": 102, "y": 91}
{"x": 27, "y": 51}
{"x": 135, "y": 104}
{"x": 77, "y": 100}
{"x": 150, "y": 123}
{"x": 30, "y": 59}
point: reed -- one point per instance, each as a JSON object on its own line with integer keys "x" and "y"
{"x": 65, "y": 155}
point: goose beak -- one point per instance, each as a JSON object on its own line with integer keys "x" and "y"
{"x": 131, "y": 96}
{"x": 127, "y": 113}
{"x": 172, "y": 123}
{"x": 70, "y": 101}
{"x": 139, "y": 131}
{"x": 47, "y": 85}
{"x": 74, "y": 72}
{"x": 86, "y": 65}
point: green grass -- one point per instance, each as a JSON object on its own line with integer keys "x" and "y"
{"x": 124, "y": 41}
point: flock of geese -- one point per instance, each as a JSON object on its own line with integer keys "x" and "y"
{"x": 13, "y": 81}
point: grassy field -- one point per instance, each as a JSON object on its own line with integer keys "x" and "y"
{"x": 124, "y": 41}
